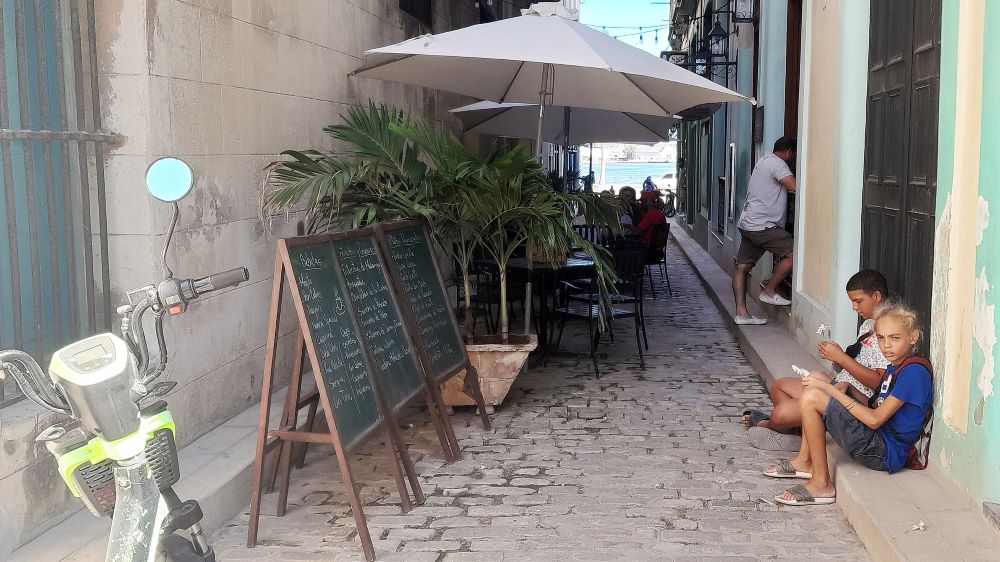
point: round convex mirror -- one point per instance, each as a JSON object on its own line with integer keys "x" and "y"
{"x": 169, "y": 179}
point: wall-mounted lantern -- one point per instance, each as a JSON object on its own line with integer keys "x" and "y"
{"x": 718, "y": 40}
{"x": 743, "y": 12}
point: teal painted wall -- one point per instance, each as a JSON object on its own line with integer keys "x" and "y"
{"x": 986, "y": 412}
{"x": 972, "y": 460}
{"x": 743, "y": 125}
{"x": 771, "y": 85}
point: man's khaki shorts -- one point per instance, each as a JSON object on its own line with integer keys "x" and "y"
{"x": 755, "y": 242}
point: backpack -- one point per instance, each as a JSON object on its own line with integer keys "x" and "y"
{"x": 854, "y": 349}
{"x": 916, "y": 458}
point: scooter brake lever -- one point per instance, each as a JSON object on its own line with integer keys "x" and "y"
{"x": 145, "y": 291}
{"x": 51, "y": 433}
{"x": 161, "y": 389}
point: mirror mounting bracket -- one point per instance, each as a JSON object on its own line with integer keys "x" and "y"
{"x": 166, "y": 243}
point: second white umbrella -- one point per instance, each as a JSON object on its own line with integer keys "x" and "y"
{"x": 563, "y": 125}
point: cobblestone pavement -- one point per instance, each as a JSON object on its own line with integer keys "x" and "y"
{"x": 638, "y": 465}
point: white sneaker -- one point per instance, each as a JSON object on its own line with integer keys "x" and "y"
{"x": 776, "y": 300}
{"x": 749, "y": 321}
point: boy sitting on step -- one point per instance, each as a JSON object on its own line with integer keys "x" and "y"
{"x": 859, "y": 374}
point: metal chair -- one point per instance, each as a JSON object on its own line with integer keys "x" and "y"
{"x": 657, "y": 255}
{"x": 486, "y": 291}
{"x": 594, "y": 234}
{"x": 627, "y": 303}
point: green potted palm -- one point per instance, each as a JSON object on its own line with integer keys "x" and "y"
{"x": 397, "y": 167}
{"x": 393, "y": 168}
{"x": 510, "y": 207}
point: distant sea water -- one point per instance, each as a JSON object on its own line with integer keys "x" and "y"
{"x": 619, "y": 174}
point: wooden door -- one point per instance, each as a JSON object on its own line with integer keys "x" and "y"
{"x": 897, "y": 233}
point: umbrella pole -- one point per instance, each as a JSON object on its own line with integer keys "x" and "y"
{"x": 544, "y": 98}
{"x": 538, "y": 137}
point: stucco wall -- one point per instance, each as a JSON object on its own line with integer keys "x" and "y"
{"x": 965, "y": 445}
{"x": 831, "y": 166}
{"x": 816, "y": 162}
{"x": 226, "y": 85}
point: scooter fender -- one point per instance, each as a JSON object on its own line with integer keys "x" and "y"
{"x": 79, "y": 467}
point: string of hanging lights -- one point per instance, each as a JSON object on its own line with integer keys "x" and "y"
{"x": 633, "y": 30}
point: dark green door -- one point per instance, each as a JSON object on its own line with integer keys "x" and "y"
{"x": 897, "y": 236}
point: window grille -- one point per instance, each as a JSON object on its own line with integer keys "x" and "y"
{"x": 53, "y": 240}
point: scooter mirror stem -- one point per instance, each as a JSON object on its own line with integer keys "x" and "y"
{"x": 166, "y": 243}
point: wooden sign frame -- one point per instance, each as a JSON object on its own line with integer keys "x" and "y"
{"x": 472, "y": 382}
{"x": 268, "y": 440}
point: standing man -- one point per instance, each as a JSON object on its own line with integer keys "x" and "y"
{"x": 762, "y": 228}
{"x": 681, "y": 187}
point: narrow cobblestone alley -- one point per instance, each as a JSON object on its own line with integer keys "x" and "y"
{"x": 638, "y": 465}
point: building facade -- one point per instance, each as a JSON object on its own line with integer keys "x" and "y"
{"x": 896, "y": 174}
{"x": 759, "y": 59}
{"x": 224, "y": 84}
{"x": 897, "y": 170}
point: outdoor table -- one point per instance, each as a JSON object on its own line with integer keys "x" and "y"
{"x": 545, "y": 271}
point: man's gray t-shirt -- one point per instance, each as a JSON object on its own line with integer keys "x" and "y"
{"x": 767, "y": 200}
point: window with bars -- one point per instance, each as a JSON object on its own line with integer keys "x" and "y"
{"x": 53, "y": 242}
{"x": 422, "y": 10}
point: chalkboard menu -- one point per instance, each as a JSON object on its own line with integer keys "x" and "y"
{"x": 410, "y": 251}
{"x": 339, "y": 353}
{"x": 379, "y": 318}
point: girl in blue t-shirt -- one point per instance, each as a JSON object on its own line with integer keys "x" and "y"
{"x": 879, "y": 437}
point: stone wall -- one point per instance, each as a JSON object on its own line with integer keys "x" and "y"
{"x": 226, "y": 85}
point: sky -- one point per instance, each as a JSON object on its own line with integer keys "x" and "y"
{"x": 630, "y": 13}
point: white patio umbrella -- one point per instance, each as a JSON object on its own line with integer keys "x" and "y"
{"x": 563, "y": 125}
{"x": 546, "y": 58}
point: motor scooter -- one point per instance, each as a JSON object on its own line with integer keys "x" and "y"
{"x": 117, "y": 451}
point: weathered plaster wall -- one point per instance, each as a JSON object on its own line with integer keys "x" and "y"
{"x": 965, "y": 444}
{"x": 831, "y": 165}
{"x": 226, "y": 85}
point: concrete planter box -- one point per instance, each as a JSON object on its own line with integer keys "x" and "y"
{"x": 497, "y": 363}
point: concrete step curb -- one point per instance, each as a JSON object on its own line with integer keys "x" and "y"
{"x": 882, "y": 508}
{"x": 216, "y": 470}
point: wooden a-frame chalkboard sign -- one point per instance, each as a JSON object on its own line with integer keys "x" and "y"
{"x": 354, "y": 401}
{"x": 416, "y": 275}
{"x": 371, "y": 349}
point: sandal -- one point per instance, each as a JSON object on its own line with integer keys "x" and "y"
{"x": 802, "y": 496}
{"x": 754, "y": 417}
{"x": 784, "y": 469}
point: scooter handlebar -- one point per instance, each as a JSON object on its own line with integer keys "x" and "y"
{"x": 217, "y": 281}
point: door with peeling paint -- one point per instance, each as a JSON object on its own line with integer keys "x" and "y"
{"x": 897, "y": 228}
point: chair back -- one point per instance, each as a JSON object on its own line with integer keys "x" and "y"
{"x": 660, "y": 236}
{"x": 587, "y": 232}
{"x": 629, "y": 266}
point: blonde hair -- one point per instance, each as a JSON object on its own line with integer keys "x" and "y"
{"x": 906, "y": 316}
